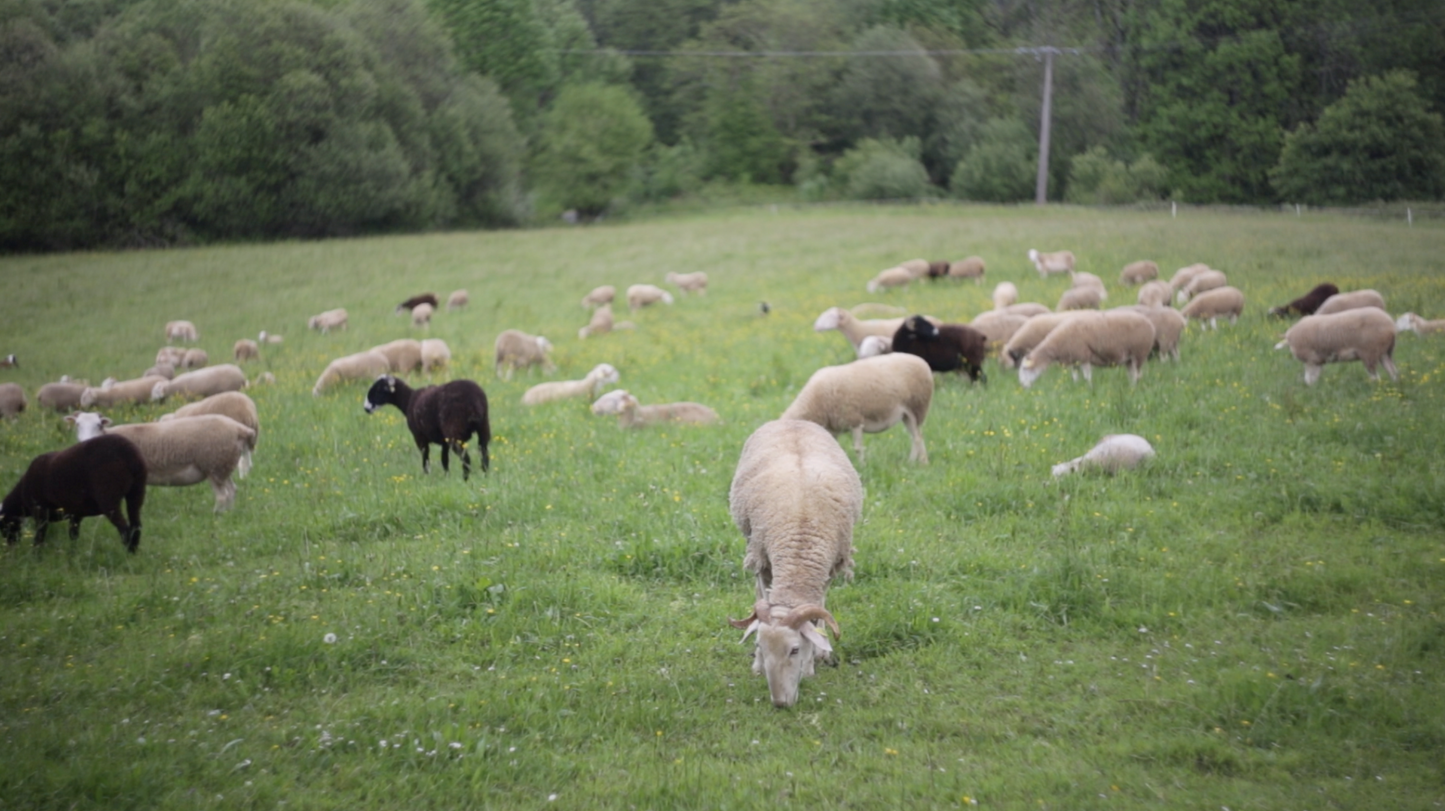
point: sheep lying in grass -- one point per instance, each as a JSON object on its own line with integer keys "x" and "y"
{"x": 91, "y": 478}
{"x": 1110, "y": 338}
{"x": 181, "y": 452}
{"x": 435, "y": 354}
{"x": 1112, "y": 454}
{"x": 138, "y": 390}
{"x": 646, "y": 295}
{"x": 1306, "y": 304}
{"x": 872, "y": 395}
{"x": 231, "y": 404}
{"x": 1056, "y": 262}
{"x": 1139, "y": 272}
{"x": 202, "y": 382}
{"x": 602, "y": 374}
{"x": 1409, "y": 322}
{"x": 945, "y": 348}
{"x": 12, "y": 400}
{"x": 795, "y": 498}
{"x": 446, "y": 415}
{"x": 429, "y": 299}
{"x": 182, "y": 331}
{"x": 632, "y": 414}
{"x": 1212, "y": 305}
{"x": 328, "y": 321}
{"x": 1352, "y": 300}
{"x": 515, "y": 350}
{"x": 1365, "y": 334}
{"x": 402, "y": 355}
{"x": 599, "y": 295}
{"x": 1155, "y": 294}
{"x": 689, "y": 282}
{"x": 458, "y": 299}
{"x": 360, "y": 366}
{"x": 889, "y": 278}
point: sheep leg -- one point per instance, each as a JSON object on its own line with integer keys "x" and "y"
{"x": 425, "y": 456}
{"x": 74, "y": 527}
{"x": 1088, "y": 371}
{"x": 133, "y": 502}
{"x": 1312, "y": 373}
{"x": 858, "y": 441}
{"x": 1389, "y": 363}
{"x": 113, "y": 515}
{"x": 225, "y": 492}
{"x": 446, "y": 456}
{"x": 466, "y": 459}
{"x": 42, "y": 522}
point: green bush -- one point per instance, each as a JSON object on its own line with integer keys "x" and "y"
{"x": 592, "y": 142}
{"x": 1097, "y": 179}
{"x": 883, "y": 169}
{"x": 1001, "y": 167}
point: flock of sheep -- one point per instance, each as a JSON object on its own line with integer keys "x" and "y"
{"x": 795, "y": 494}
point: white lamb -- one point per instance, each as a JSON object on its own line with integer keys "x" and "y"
{"x": 602, "y": 374}
{"x": 1212, "y": 305}
{"x": 601, "y": 323}
{"x": 367, "y": 365}
{"x": 1201, "y": 283}
{"x": 458, "y": 299}
{"x": 874, "y": 345}
{"x": 1365, "y": 334}
{"x": 202, "y": 382}
{"x": 646, "y": 295}
{"x": 183, "y": 451}
{"x": 421, "y": 315}
{"x": 1056, "y": 262}
{"x": 515, "y": 350}
{"x": 795, "y": 497}
{"x": 872, "y": 395}
{"x": 1352, "y": 300}
{"x": 328, "y": 321}
{"x": 181, "y": 331}
{"x": 599, "y": 295}
{"x": 1409, "y": 322}
{"x": 1111, "y": 338}
{"x": 12, "y": 400}
{"x": 435, "y": 355}
{"x": 1112, "y": 454}
{"x": 889, "y": 278}
{"x": 172, "y": 356}
{"x": 689, "y": 282}
{"x": 1004, "y": 294}
{"x": 632, "y": 414}
{"x": 245, "y": 349}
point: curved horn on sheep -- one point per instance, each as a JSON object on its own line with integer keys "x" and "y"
{"x": 750, "y": 623}
{"x": 809, "y": 612}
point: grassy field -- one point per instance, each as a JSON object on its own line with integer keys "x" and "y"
{"x": 1254, "y": 621}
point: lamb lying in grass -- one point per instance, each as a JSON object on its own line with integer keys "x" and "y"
{"x": 1114, "y": 452}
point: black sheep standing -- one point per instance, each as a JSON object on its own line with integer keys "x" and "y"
{"x": 85, "y": 479}
{"x": 947, "y": 348}
{"x": 445, "y": 415}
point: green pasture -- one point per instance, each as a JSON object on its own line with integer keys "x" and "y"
{"x": 1254, "y": 621}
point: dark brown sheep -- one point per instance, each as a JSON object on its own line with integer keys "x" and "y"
{"x": 445, "y": 415}
{"x": 1306, "y": 304}
{"x": 85, "y": 479}
{"x": 424, "y": 298}
{"x": 946, "y": 348}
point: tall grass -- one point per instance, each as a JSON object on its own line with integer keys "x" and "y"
{"x": 1253, "y": 621}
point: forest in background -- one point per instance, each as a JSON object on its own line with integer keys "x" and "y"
{"x": 163, "y": 122}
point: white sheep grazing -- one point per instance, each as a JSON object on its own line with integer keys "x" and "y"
{"x": 998, "y": 326}
{"x": 1182, "y": 276}
{"x": 601, "y": 323}
{"x": 632, "y": 414}
{"x": 645, "y": 295}
{"x": 874, "y": 345}
{"x": 61, "y": 396}
{"x": 458, "y": 299}
{"x": 1087, "y": 297}
{"x": 889, "y": 278}
{"x": 1168, "y": 324}
{"x": 1112, "y": 454}
{"x": 1155, "y": 294}
{"x": 795, "y": 497}
{"x": 172, "y": 356}
{"x": 852, "y": 328}
{"x": 435, "y": 354}
{"x": 194, "y": 359}
{"x": 245, "y": 349}
{"x": 1111, "y": 338}
{"x": 181, "y": 452}
{"x": 590, "y": 386}
{"x": 12, "y": 400}
{"x": 599, "y": 295}
{"x": 181, "y": 331}
{"x": 1212, "y": 305}
{"x": 367, "y": 366}
{"x": 1352, "y": 300}
{"x": 1139, "y": 272}
{"x": 1409, "y": 322}
{"x": 1202, "y": 282}
{"x": 1029, "y": 335}
{"x": 404, "y": 354}
{"x": 917, "y": 268}
{"x": 138, "y": 390}
{"x": 1056, "y": 262}
{"x": 872, "y": 395}
{"x": 267, "y": 338}
{"x": 1365, "y": 334}
{"x": 231, "y": 404}
{"x": 1004, "y": 294}
{"x": 160, "y": 370}
{"x": 1082, "y": 279}
{"x": 421, "y": 315}
{"x": 202, "y": 382}
{"x": 969, "y": 268}
{"x": 518, "y": 350}
{"x": 689, "y": 282}
{"x": 328, "y": 321}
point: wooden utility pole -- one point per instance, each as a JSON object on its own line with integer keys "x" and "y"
{"x": 1041, "y": 188}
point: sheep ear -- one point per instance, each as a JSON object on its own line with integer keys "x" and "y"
{"x": 820, "y": 641}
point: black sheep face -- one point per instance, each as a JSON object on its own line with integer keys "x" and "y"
{"x": 380, "y": 393}
{"x": 923, "y": 328}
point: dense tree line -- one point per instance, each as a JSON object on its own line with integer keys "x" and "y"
{"x": 137, "y": 122}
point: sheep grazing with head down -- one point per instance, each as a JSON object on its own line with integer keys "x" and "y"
{"x": 1182, "y": 276}
{"x": 12, "y": 400}
{"x": 1409, "y": 322}
{"x": 970, "y": 268}
{"x": 945, "y": 347}
{"x": 1353, "y": 300}
{"x": 1155, "y": 294}
{"x": 795, "y": 497}
{"x": 1169, "y": 326}
{"x": 202, "y": 382}
{"x": 403, "y": 355}
{"x": 1212, "y": 305}
{"x": 517, "y": 350}
{"x": 182, "y": 331}
{"x": 853, "y": 329}
{"x": 421, "y": 315}
{"x": 1139, "y": 272}
{"x": 688, "y": 282}
{"x": 872, "y": 395}
{"x": 1056, "y": 262}
{"x": 328, "y": 321}
{"x": 599, "y": 296}
{"x": 1030, "y": 335}
{"x": 360, "y": 366}
{"x": 231, "y": 404}
{"x": 1306, "y": 304}
{"x": 1087, "y": 297}
{"x": 889, "y": 278}
{"x": 1004, "y": 294}
{"x": 91, "y": 478}
{"x": 1112, "y": 454}
{"x": 646, "y": 295}
{"x": 435, "y": 355}
{"x": 602, "y": 374}
{"x": 61, "y": 396}
{"x": 181, "y": 452}
{"x": 1365, "y": 334}
{"x": 429, "y": 299}
{"x": 1110, "y": 338}
{"x": 139, "y": 390}
{"x": 244, "y": 350}
{"x": 447, "y": 415}
{"x": 458, "y": 299}
{"x": 601, "y": 323}
{"x": 1202, "y": 282}
{"x": 632, "y": 414}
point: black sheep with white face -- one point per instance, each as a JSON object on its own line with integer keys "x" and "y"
{"x": 445, "y": 415}
{"x": 946, "y": 348}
